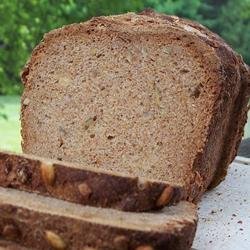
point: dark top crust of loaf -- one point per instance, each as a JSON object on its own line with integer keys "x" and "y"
{"x": 33, "y": 227}
{"x": 229, "y": 111}
{"x": 84, "y": 186}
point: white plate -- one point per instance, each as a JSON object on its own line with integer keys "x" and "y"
{"x": 224, "y": 212}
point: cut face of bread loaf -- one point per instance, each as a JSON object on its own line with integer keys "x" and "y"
{"x": 143, "y": 95}
{"x": 46, "y": 223}
{"x": 80, "y": 184}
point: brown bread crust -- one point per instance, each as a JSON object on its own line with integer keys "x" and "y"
{"x": 44, "y": 231}
{"x": 85, "y": 186}
{"x": 235, "y": 127}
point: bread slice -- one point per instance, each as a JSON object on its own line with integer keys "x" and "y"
{"x": 46, "y": 223}
{"x": 80, "y": 184}
{"x": 145, "y": 95}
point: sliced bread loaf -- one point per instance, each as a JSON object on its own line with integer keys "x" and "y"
{"x": 150, "y": 96}
{"x": 45, "y": 223}
{"x": 80, "y": 184}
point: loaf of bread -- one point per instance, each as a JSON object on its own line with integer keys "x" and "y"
{"x": 148, "y": 109}
{"x": 45, "y": 223}
{"x": 149, "y": 96}
{"x": 84, "y": 185}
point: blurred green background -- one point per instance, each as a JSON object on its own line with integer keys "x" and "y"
{"x": 23, "y": 23}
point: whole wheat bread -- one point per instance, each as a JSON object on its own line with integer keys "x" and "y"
{"x": 149, "y": 95}
{"x": 84, "y": 185}
{"x": 45, "y": 223}
{"x": 127, "y": 98}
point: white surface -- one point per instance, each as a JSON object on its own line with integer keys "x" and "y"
{"x": 224, "y": 213}
{"x": 242, "y": 160}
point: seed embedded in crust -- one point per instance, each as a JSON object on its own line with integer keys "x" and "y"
{"x": 142, "y": 184}
{"x": 121, "y": 242}
{"x": 145, "y": 247}
{"x": 165, "y": 197}
{"x": 54, "y": 240}
{"x": 48, "y": 173}
{"x": 84, "y": 190}
{"x": 10, "y": 232}
{"x": 23, "y": 175}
